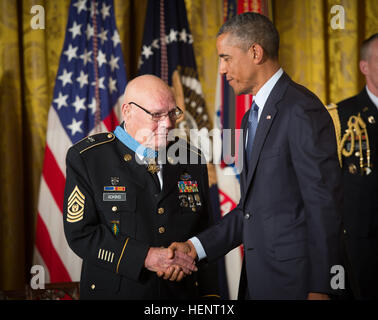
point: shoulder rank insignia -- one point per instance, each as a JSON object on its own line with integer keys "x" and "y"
{"x": 94, "y": 140}
{"x": 75, "y": 207}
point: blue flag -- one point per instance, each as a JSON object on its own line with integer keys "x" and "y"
{"x": 167, "y": 52}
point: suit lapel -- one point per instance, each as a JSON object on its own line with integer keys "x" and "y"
{"x": 243, "y": 174}
{"x": 265, "y": 123}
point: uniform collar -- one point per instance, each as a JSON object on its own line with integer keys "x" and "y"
{"x": 372, "y": 97}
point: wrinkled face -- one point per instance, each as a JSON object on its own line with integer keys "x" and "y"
{"x": 370, "y": 67}
{"x": 236, "y": 64}
{"x": 140, "y": 125}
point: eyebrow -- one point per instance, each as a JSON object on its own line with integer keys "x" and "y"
{"x": 223, "y": 55}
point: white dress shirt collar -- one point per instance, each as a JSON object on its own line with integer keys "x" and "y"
{"x": 264, "y": 92}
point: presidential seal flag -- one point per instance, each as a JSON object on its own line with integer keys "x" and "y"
{"x": 88, "y": 89}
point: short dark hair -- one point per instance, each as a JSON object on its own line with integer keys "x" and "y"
{"x": 250, "y": 28}
{"x": 364, "y": 51}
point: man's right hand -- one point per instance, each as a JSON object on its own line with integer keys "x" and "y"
{"x": 177, "y": 249}
{"x": 162, "y": 261}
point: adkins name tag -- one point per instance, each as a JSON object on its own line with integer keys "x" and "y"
{"x": 106, "y": 196}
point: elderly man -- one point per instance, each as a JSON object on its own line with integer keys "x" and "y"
{"x": 122, "y": 207}
{"x": 288, "y": 217}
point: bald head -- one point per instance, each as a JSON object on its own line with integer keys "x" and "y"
{"x": 148, "y": 87}
{"x": 155, "y": 96}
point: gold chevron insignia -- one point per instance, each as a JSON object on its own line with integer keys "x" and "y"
{"x": 75, "y": 207}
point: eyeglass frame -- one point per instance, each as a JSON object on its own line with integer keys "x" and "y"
{"x": 152, "y": 114}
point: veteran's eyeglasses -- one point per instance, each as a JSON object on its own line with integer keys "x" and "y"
{"x": 174, "y": 114}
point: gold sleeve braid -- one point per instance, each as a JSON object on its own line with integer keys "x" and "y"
{"x": 356, "y": 129}
{"x": 332, "y": 109}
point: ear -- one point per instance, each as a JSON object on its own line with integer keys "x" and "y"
{"x": 125, "y": 111}
{"x": 364, "y": 67}
{"x": 257, "y": 53}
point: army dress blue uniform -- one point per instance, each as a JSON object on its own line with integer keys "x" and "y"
{"x": 355, "y": 121}
{"x": 114, "y": 211}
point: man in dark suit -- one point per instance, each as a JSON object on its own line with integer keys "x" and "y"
{"x": 356, "y": 118}
{"x": 288, "y": 217}
{"x": 122, "y": 208}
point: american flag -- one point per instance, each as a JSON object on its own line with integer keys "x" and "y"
{"x": 88, "y": 89}
{"x": 229, "y": 111}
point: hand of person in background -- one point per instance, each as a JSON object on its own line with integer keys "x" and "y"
{"x": 172, "y": 266}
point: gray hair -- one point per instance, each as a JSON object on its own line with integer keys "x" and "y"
{"x": 249, "y": 28}
{"x": 364, "y": 51}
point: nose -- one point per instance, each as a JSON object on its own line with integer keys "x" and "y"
{"x": 167, "y": 122}
{"x": 222, "y": 67}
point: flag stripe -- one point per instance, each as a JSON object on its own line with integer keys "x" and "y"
{"x": 57, "y": 140}
{"x": 57, "y": 270}
{"x": 54, "y": 177}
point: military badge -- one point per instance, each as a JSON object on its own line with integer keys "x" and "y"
{"x": 187, "y": 186}
{"x": 152, "y": 167}
{"x": 127, "y": 157}
{"x": 198, "y": 199}
{"x": 75, "y": 207}
{"x": 183, "y": 201}
{"x": 185, "y": 176}
{"x": 114, "y": 188}
{"x": 191, "y": 201}
{"x": 115, "y": 226}
{"x": 114, "y": 181}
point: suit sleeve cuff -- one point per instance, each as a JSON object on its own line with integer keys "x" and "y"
{"x": 199, "y": 248}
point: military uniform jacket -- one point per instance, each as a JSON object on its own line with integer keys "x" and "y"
{"x": 113, "y": 213}
{"x": 360, "y": 185}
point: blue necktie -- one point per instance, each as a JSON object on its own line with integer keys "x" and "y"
{"x": 252, "y": 125}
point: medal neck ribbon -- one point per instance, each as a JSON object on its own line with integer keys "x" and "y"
{"x": 122, "y": 135}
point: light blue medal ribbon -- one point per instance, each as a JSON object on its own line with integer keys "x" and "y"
{"x": 132, "y": 144}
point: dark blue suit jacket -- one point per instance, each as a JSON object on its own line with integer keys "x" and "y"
{"x": 288, "y": 217}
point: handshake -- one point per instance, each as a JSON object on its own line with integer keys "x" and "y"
{"x": 172, "y": 263}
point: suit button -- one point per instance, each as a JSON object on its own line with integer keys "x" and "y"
{"x": 114, "y": 208}
{"x": 93, "y": 286}
{"x": 345, "y": 231}
{"x": 246, "y": 216}
{"x": 161, "y": 230}
{"x": 160, "y": 211}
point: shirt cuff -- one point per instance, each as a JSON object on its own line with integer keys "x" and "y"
{"x": 199, "y": 248}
